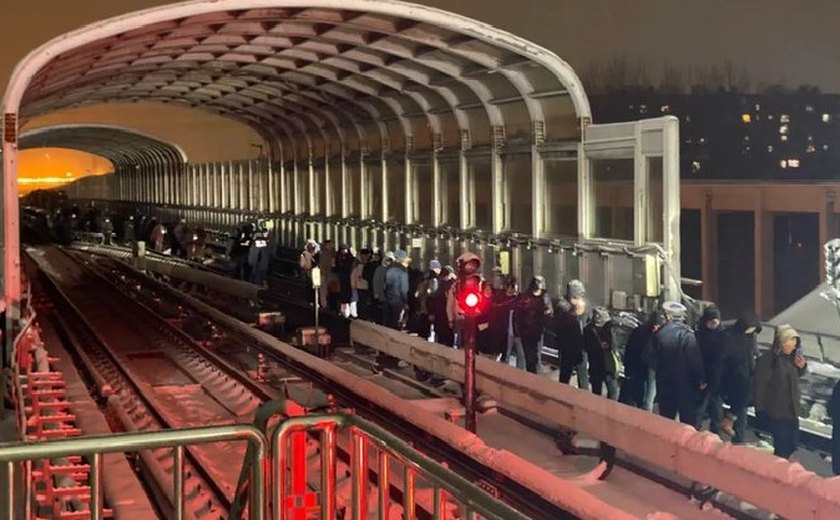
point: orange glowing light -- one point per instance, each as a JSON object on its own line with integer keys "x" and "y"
{"x": 45, "y": 168}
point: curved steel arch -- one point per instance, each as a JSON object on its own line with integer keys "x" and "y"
{"x": 228, "y": 37}
{"x": 118, "y": 144}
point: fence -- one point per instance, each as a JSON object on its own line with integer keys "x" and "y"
{"x": 94, "y": 447}
{"x": 447, "y": 488}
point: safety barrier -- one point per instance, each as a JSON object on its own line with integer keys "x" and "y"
{"x": 93, "y": 449}
{"x": 754, "y": 476}
{"x": 296, "y": 501}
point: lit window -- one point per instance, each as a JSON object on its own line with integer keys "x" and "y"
{"x": 643, "y": 109}
{"x": 783, "y": 163}
{"x": 825, "y": 147}
{"x": 687, "y": 119}
{"x": 784, "y": 138}
{"x": 696, "y": 166}
{"x": 826, "y": 118}
{"x": 784, "y": 129}
{"x": 769, "y": 148}
{"x": 810, "y": 149}
{"x": 793, "y": 163}
{"x": 757, "y": 107}
{"x": 784, "y": 118}
{"x": 702, "y": 140}
{"x": 665, "y": 109}
{"x": 746, "y": 118}
{"x": 809, "y": 108}
{"x": 810, "y": 138}
{"x": 770, "y": 117}
{"x": 746, "y": 139}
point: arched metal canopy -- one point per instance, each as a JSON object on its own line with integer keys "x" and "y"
{"x": 124, "y": 147}
{"x": 313, "y": 75}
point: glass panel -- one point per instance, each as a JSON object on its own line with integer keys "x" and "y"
{"x": 450, "y": 202}
{"x": 518, "y": 179}
{"x": 303, "y": 190}
{"x": 374, "y": 189}
{"x": 561, "y": 198}
{"x": 482, "y": 195}
{"x": 422, "y": 194}
{"x": 354, "y": 196}
{"x": 321, "y": 189}
{"x": 333, "y": 194}
{"x": 612, "y": 181}
{"x": 396, "y": 190}
{"x": 655, "y": 203}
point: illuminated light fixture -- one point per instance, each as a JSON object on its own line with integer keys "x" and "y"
{"x": 784, "y": 138}
{"x": 784, "y": 118}
{"x": 783, "y": 163}
{"x": 826, "y": 118}
{"x": 793, "y": 163}
{"x": 746, "y": 118}
{"x": 784, "y": 129}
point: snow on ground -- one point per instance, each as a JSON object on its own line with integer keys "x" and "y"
{"x": 623, "y": 489}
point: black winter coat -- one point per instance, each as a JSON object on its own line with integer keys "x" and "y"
{"x": 636, "y": 353}
{"x": 531, "y": 315}
{"x": 343, "y": 268}
{"x": 598, "y": 343}
{"x": 493, "y": 339}
{"x": 565, "y": 333}
{"x": 679, "y": 363}
{"x": 711, "y": 343}
{"x": 738, "y": 363}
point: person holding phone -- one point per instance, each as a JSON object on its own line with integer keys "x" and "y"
{"x": 778, "y": 400}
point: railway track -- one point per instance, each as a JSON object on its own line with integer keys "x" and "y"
{"x": 210, "y": 368}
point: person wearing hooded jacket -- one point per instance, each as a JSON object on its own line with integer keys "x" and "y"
{"x": 778, "y": 400}
{"x": 737, "y": 369}
{"x": 603, "y": 359}
{"x": 710, "y": 340}
{"x": 532, "y": 311}
{"x": 380, "y": 307}
{"x": 639, "y": 386}
{"x": 565, "y": 333}
{"x": 680, "y": 375}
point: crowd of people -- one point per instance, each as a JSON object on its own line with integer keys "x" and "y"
{"x": 663, "y": 364}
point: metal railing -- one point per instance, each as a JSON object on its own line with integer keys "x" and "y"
{"x": 94, "y": 447}
{"x": 291, "y": 492}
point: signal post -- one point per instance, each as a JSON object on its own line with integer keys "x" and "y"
{"x": 471, "y": 304}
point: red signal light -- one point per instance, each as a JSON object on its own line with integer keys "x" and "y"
{"x": 471, "y": 300}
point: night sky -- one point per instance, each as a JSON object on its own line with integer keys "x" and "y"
{"x": 791, "y": 42}
{"x": 778, "y": 41}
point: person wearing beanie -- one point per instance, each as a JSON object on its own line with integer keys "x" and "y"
{"x": 565, "y": 333}
{"x": 639, "y": 386}
{"x": 532, "y": 312}
{"x": 778, "y": 400}
{"x": 710, "y": 339}
{"x": 680, "y": 374}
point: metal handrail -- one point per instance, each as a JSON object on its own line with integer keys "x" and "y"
{"x": 94, "y": 447}
{"x": 475, "y": 500}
